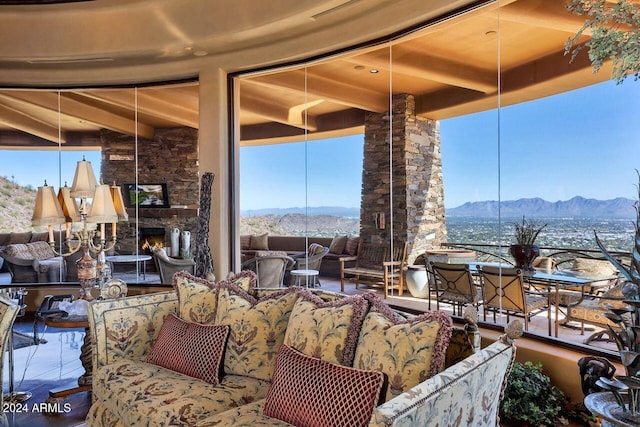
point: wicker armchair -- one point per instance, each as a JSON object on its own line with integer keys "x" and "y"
{"x": 311, "y": 260}
{"x": 168, "y": 266}
{"x": 270, "y": 268}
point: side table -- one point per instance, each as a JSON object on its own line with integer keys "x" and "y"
{"x": 306, "y": 274}
{"x": 84, "y": 382}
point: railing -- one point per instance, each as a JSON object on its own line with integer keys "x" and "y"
{"x": 562, "y": 256}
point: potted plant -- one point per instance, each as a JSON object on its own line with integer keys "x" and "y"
{"x": 525, "y": 250}
{"x": 531, "y": 400}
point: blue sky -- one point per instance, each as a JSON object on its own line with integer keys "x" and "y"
{"x": 34, "y": 167}
{"x": 584, "y": 142}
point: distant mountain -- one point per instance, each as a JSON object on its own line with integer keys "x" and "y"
{"x": 318, "y": 210}
{"x": 577, "y": 207}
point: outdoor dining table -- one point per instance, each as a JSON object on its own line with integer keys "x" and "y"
{"x": 555, "y": 281}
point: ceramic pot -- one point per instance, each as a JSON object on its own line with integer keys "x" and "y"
{"x": 524, "y": 255}
{"x": 417, "y": 281}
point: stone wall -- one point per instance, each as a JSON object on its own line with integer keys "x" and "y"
{"x": 171, "y": 158}
{"x": 416, "y": 168}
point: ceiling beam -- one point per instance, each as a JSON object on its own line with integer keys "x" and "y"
{"x": 330, "y": 90}
{"x": 438, "y": 69}
{"x": 165, "y": 105}
{"x": 539, "y": 74}
{"x": 25, "y": 122}
{"x": 257, "y": 104}
{"x": 550, "y": 14}
{"x": 83, "y": 111}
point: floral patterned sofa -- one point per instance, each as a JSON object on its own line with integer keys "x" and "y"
{"x": 229, "y": 354}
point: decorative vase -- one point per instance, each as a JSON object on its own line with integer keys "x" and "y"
{"x": 175, "y": 242}
{"x": 524, "y": 255}
{"x": 417, "y": 281}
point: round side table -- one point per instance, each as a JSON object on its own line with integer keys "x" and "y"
{"x": 306, "y": 274}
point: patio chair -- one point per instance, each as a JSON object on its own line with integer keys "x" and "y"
{"x": 591, "y": 310}
{"x": 311, "y": 260}
{"x": 454, "y": 284}
{"x": 270, "y": 268}
{"x": 503, "y": 289}
{"x": 167, "y": 266}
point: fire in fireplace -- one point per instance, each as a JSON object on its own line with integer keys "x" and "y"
{"x": 151, "y": 237}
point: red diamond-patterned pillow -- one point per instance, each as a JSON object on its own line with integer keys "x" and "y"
{"x": 190, "y": 348}
{"x": 310, "y": 392}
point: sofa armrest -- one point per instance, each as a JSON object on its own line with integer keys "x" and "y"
{"x": 126, "y": 328}
{"x": 344, "y": 259}
{"x": 481, "y": 375}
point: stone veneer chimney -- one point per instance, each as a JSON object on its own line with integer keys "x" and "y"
{"x": 171, "y": 158}
{"x": 416, "y": 169}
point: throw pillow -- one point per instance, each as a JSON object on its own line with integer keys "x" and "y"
{"x": 260, "y": 242}
{"x": 408, "y": 351}
{"x": 326, "y": 330}
{"x": 315, "y": 249}
{"x": 245, "y": 280}
{"x": 197, "y": 298}
{"x": 337, "y": 244}
{"x": 189, "y": 348}
{"x": 257, "y": 329}
{"x": 306, "y": 391}
{"x": 245, "y": 241}
{"x": 351, "y": 247}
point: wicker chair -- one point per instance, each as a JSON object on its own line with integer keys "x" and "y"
{"x": 168, "y": 266}
{"x": 311, "y": 260}
{"x": 270, "y": 268}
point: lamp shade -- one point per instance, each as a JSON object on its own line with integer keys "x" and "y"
{"x": 102, "y": 209}
{"x": 68, "y": 204}
{"x": 118, "y": 203}
{"x": 84, "y": 180}
{"x": 47, "y": 210}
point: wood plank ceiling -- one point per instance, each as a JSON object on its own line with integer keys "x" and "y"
{"x": 451, "y": 67}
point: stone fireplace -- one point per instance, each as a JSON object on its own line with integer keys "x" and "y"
{"x": 151, "y": 237}
{"x": 171, "y": 158}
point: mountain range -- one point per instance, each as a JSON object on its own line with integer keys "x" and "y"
{"x": 576, "y": 207}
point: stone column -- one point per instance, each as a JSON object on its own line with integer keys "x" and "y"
{"x": 413, "y": 201}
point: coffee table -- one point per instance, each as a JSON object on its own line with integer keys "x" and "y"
{"x": 138, "y": 259}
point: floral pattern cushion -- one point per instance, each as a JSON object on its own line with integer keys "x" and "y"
{"x": 140, "y": 393}
{"x": 189, "y": 348}
{"x": 126, "y": 328}
{"x": 326, "y": 330}
{"x": 407, "y": 351}
{"x": 257, "y": 329}
{"x": 199, "y": 297}
{"x": 249, "y": 415}
{"x": 306, "y": 391}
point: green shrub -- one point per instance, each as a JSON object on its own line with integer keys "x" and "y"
{"x": 531, "y": 400}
